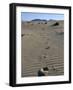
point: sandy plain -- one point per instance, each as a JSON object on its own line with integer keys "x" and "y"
{"x": 42, "y": 46}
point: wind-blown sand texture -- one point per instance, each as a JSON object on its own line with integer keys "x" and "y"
{"x": 42, "y": 46}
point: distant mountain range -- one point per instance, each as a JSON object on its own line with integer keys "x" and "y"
{"x": 41, "y": 20}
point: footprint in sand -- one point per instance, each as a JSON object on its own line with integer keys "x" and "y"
{"x": 48, "y": 47}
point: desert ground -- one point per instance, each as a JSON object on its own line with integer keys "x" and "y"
{"x": 42, "y": 44}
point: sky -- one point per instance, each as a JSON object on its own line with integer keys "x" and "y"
{"x": 28, "y": 16}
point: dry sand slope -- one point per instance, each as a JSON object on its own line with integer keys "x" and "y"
{"x": 42, "y": 45}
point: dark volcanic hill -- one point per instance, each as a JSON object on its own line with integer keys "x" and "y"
{"x": 39, "y": 20}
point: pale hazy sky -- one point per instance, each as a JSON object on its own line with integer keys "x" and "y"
{"x": 27, "y": 16}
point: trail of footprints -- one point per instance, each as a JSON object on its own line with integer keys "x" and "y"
{"x": 54, "y": 68}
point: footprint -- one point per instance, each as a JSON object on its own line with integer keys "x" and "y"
{"x": 53, "y": 68}
{"x": 22, "y": 35}
{"x": 48, "y": 47}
